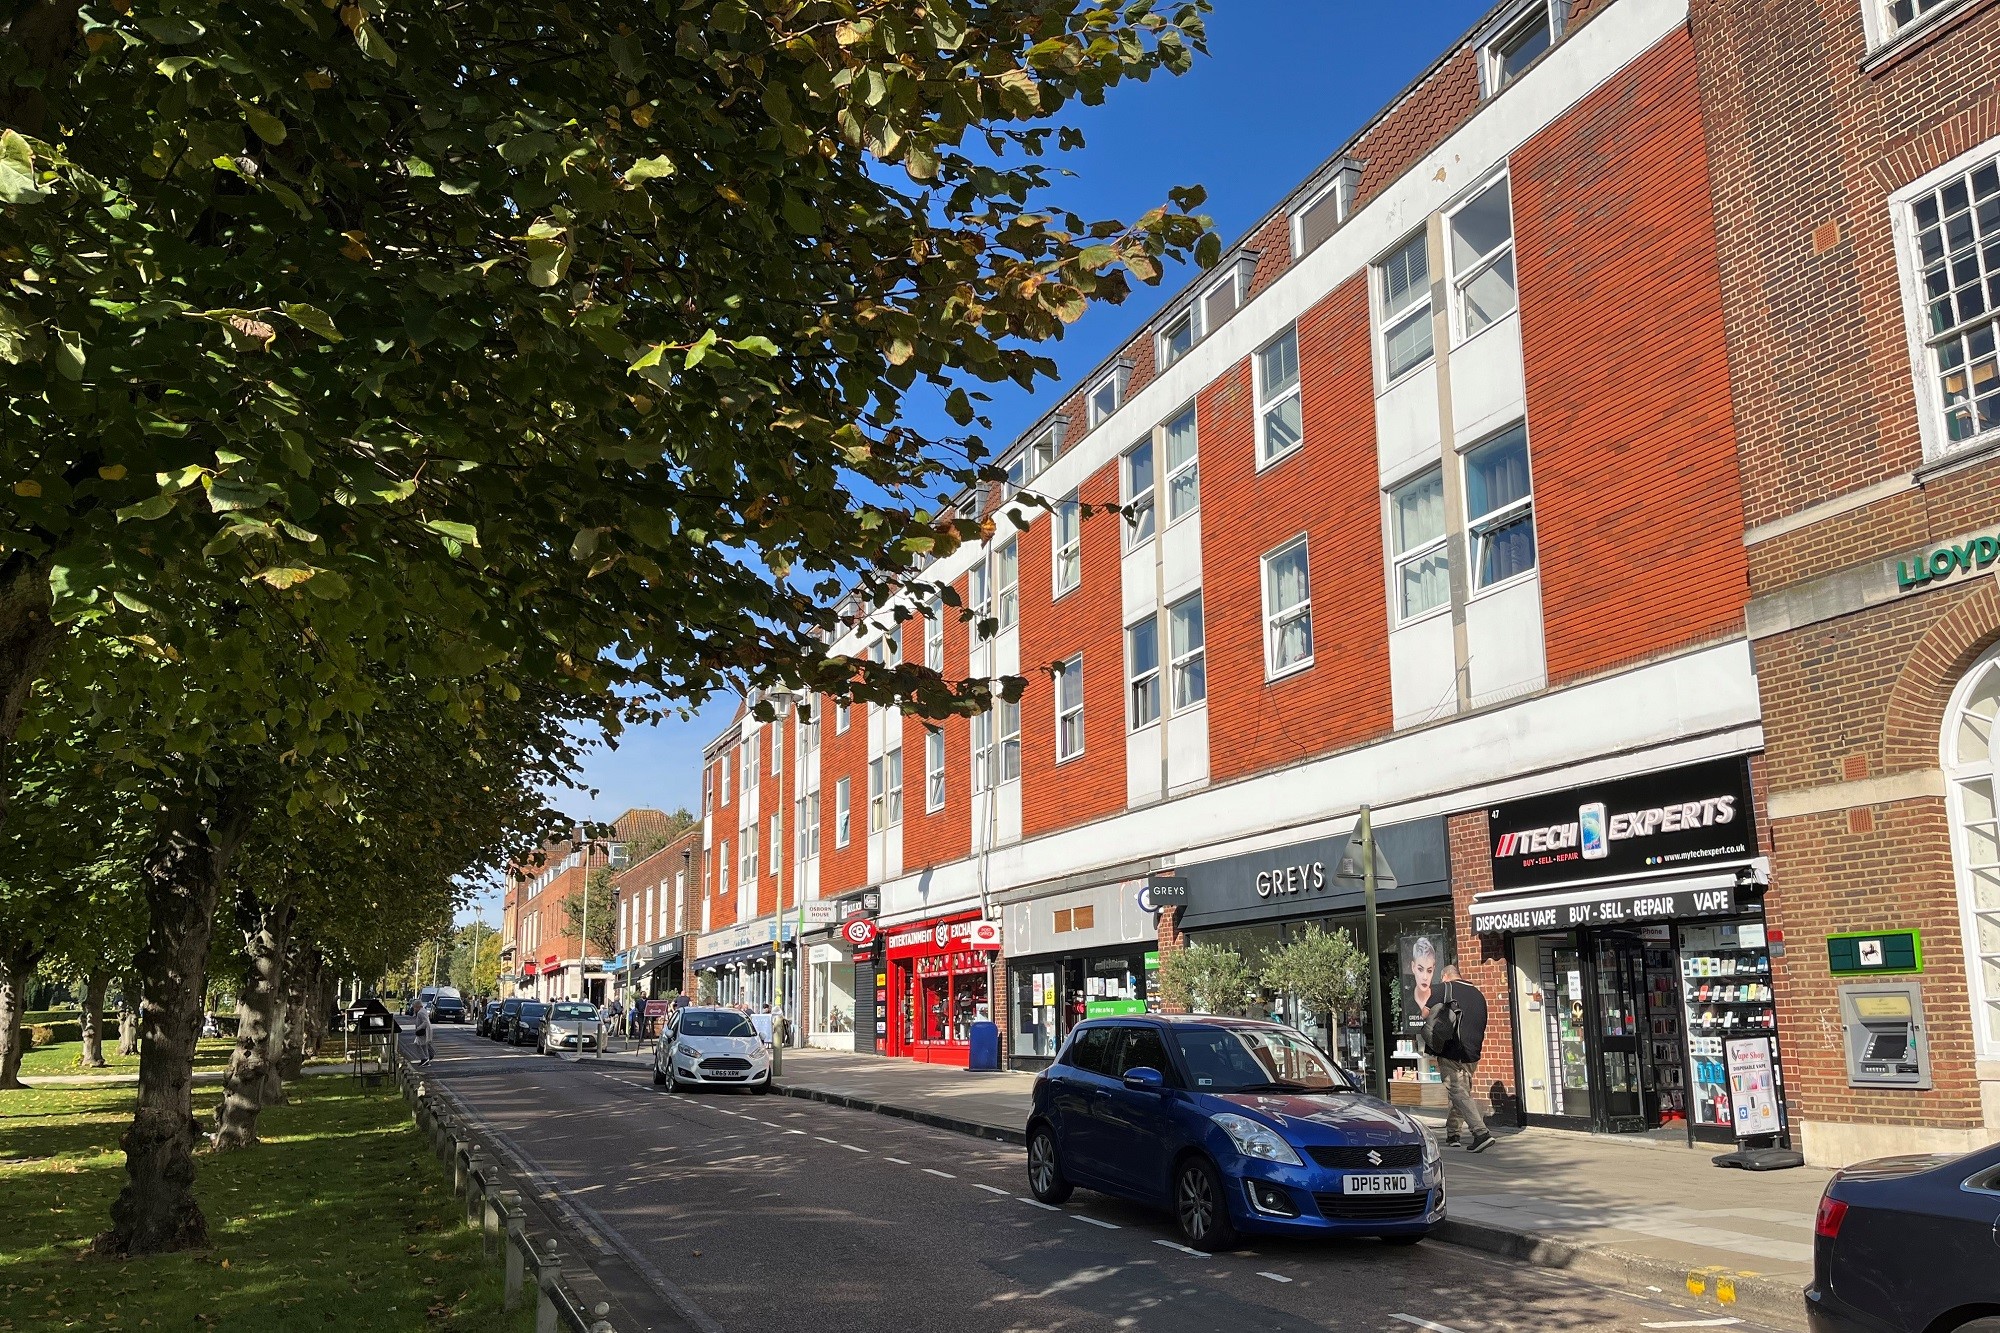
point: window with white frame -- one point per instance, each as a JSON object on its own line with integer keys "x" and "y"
{"x": 1480, "y": 242}
{"x": 750, "y": 761}
{"x": 1138, "y": 473}
{"x": 1010, "y": 740}
{"x": 1178, "y": 338}
{"x": 725, "y": 785}
{"x": 892, "y": 648}
{"x": 1106, "y": 396}
{"x": 1894, "y": 18}
{"x": 934, "y": 788}
{"x": 1017, "y": 476}
{"x": 843, "y": 813}
{"x": 777, "y": 750}
{"x": 893, "y": 764}
{"x": 934, "y": 634}
{"x": 1970, "y": 759}
{"x": 747, "y": 877}
{"x": 979, "y": 587}
{"x": 1403, "y": 285}
{"x": 1142, "y": 657}
{"x": 1500, "y": 508}
{"x": 1069, "y": 709}
{"x": 722, "y": 868}
{"x": 1955, "y": 237}
{"x": 1420, "y": 571}
{"x": 982, "y": 751}
{"x": 1187, "y": 659}
{"x": 878, "y": 800}
{"x": 707, "y": 790}
{"x": 1183, "y": 465}
{"x": 1280, "y": 422}
{"x": 1518, "y": 44}
{"x": 809, "y": 727}
{"x": 1007, "y": 581}
{"x": 808, "y": 826}
{"x": 840, "y": 717}
{"x": 771, "y": 841}
{"x": 1066, "y": 529}
{"x": 1288, "y": 626}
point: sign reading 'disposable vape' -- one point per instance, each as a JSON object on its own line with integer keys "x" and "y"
{"x": 1682, "y": 818}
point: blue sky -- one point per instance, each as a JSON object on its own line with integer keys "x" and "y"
{"x": 1285, "y": 83}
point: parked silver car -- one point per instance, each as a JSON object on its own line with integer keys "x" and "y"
{"x": 709, "y": 1047}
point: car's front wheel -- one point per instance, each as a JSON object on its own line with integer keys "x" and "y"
{"x": 1200, "y": 1206}
{"x": 659, "y": 1075}
{"x": 1045, "y": 1174}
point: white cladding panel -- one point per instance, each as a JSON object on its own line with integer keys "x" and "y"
{"x": 1142, "y": 765}
{"x": 1503, "y": 638}
{"x": 1406, "y": 424}
{"x": 1487, "y": 388}
{"x": 1187, "y": 748}
{"x": 1422, "y": 687}
{"x": 1180, "y": 572}
{"x": 1140, "y": 581}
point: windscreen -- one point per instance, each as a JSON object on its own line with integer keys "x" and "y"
{"x": 574, "y": 1011}
{"x": 1232, "y": 1059}
{"x": 716, "y": 1024}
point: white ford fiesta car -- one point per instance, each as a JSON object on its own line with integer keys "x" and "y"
{"x": 708, "y": 1047}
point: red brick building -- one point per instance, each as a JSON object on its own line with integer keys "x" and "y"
{"x": 1855, "y": 150}
{"x": 543, "y": 950}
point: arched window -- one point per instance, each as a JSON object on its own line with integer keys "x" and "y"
{"x": 1971, "y": 763}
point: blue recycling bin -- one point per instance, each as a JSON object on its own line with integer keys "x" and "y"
{"x": 985, "y": 1042}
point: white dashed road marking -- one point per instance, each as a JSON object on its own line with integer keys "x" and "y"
{"x": 1108, "y": 1226}
{"x": 991, "y": 1189}
{"x": 851, "y": 1148}
{"x": 1188, "y": 1249}
{"x": 1045, "y": 1207}
{"x": 824, "y": 1139}
{"x": 933, "y": 1171}
{"x": 1693, "y": 1323}
{"x": 1424, "y": 1323}
{"x": 1275, "y": 1277}
{"x": 897, "y": 1160}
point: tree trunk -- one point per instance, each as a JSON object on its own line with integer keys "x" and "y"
{"x": 26, "y": 637}
{"x": 94, "y": 986}
{"x": 303, "y": 981}
{"x": 128, "y": 1017}
{"x": 260, "y": 1007}
{"x": 17, "y": 973}
{"x": 182, "y": 872}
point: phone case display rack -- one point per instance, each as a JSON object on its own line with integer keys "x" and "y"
{"x": 1726, "y": 985}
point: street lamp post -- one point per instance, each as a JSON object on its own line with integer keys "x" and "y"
{"x": 1368, "y": 873}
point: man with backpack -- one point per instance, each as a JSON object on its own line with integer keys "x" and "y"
{"x": 1454, "y": 1030}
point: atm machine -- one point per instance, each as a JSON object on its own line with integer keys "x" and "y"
{"x": 1885, "y": 1040}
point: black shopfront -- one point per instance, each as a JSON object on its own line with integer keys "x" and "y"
{"x": 1254, "y": 902}
{"x": 1631, "y": 915}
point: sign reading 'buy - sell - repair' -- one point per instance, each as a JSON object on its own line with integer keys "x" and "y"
{"x": 1944, "y": 562}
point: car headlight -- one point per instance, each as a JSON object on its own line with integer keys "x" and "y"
{"x": 1433, "y": 1151}
{"x": 1255, "y": 1140}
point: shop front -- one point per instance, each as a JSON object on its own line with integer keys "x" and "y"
{"x": 1087, "y": 953}
{"x": 1631, "y": 916}
{"x": 1256, "y": 902}
{"x": 738, "y": 965}
{"x": 939, "y": 985}
{"x": 838, "y": 970}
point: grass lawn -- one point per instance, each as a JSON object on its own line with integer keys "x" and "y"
{"x": 62, "y": 1057}
{"x": 341, "y": 1220}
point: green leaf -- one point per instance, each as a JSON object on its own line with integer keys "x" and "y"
{"x": 284, "y": 576}
{"x": 700, "y": 349}
{"x": 171, "y": 31}
{"x": 802, "y": 217}
{"x": 313, "y": 318}
{"x": 226, "y": 495}
{"x": 17, "y": 171}
{"x": 458, "y": 532}
{"x": 158, "y": 506}
{"x": 327, "y": 585}
{"x": 757, "y": 344}
{"x": 547, "y": 261}
{"x": 371, "y": 44}
{"x": 69, "y": 354}
{"x": 650, "y": 168}
{"x": 266, "y": 126}
{"x": 19, "y": 341}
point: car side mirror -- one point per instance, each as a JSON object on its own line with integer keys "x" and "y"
{"x": 1143, "y": 1079}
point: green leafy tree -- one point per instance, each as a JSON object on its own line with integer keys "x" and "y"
{"x": 602, "y": 916}
{"x": 1323, "y": 969}
{"x": 475, "y": 959}
{"x": 1207, "y": 979}
{"x": 678, "y": 823}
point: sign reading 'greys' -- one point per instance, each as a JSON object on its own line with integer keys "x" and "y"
{"x": 1682, "y": 818}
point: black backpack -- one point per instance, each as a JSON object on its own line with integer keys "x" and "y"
{"x": 1441, "y": 1025}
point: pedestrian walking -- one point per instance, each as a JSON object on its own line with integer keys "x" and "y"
{"x": 1454, "y": 1031}
{"x": 426, "y": 1052}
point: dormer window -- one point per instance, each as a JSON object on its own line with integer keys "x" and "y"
{"x": 1178, "y": 338}
{"x": 1107, "y": 395}
{"x": 1324, "y": 210}
{"x": 1519, "y": 42}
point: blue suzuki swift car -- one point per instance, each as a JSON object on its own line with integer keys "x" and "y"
{"x": 1236, "y": 1125}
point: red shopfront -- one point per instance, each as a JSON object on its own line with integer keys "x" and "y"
{"x": 939, "y": 986}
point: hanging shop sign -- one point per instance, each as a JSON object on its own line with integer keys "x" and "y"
{"x": 984, "y": 935}
{"x": 860, "y": 931}
{"x": 821, "y": 913}
{"x": 1689, "y": 818}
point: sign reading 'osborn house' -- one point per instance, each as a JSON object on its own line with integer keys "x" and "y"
{"x": 1680, "y": 819}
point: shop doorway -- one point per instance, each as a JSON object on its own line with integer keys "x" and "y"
{"x": 1619, "y": 1017}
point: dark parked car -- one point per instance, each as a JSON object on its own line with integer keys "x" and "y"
{"x": 448, "y": 1009}
{"x": 503, "y": 1025}
{"x": 526, "y": 1029}
{"x": 1909, "y": 1244}
{"x": 483, "y": 1025}
{"x": 1236, "y": 1126}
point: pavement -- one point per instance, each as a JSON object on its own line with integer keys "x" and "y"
{"x": 846, "y": 1206}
